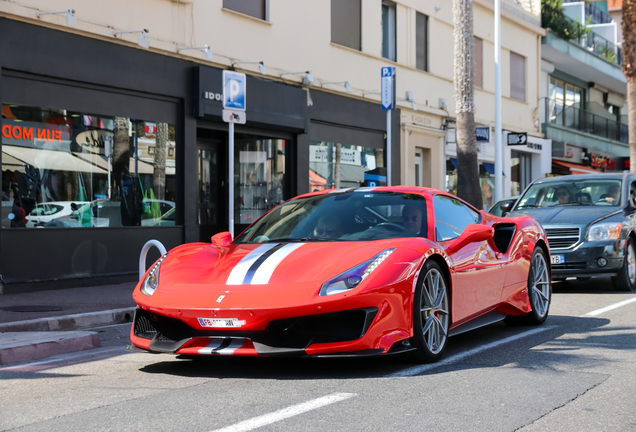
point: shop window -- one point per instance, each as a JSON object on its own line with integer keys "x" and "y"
{"x": 335, "y": 165}
{"x": 486, "y": 180}
{"x": 346, "y": 25}
{"x": 255, "y": 8}
{"x": 421, "y": 42}
{"x": 259, "y": 167}
{"x": 479, "y": 62}
{"x": 67, "y": 169}
{"x": 520, "y": 172}
{"x": 388, "y": 31}
{"x": 517, "y": 77}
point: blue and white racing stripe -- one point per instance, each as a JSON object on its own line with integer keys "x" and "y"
{"x": 257, "y": 267}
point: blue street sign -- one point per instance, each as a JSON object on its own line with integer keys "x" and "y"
{"x": 482, "y": 133}
{"x": 234, "y": 92}
{"x": 387, "y": 91}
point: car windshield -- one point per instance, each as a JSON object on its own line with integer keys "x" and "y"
{"x": 342, "y": 216}
{"x": 570, "y": 192}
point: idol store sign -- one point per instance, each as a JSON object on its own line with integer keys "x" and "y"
{"x": 31, "y": 134}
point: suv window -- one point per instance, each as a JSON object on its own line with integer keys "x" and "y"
{"x": 452, "y": 217}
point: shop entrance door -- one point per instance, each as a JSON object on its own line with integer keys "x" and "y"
{"x": 211, "y": 188}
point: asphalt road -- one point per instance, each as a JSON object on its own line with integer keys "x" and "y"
{"x": 576, "y": 372}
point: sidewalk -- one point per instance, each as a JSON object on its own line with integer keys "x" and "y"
{"x": 40, "y": 324}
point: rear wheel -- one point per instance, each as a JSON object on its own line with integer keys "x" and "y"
{"x": 431, "y": 314}
{"x": 626, "y": 278}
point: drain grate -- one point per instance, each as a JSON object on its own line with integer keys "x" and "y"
{"x": 31, "y": 308}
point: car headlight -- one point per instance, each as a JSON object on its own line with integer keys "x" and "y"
{"x": 151, "y": 282}
{"x": 605, "y": 231}
{"x": 354, "y": 276}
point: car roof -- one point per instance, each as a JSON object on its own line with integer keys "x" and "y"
{"x": 575, "y": 177}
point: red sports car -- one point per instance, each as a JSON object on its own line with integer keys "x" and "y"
{"x": 346, "y": 272}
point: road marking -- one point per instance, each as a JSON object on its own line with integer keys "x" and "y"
{"x": 285, "y": 413}
{"x": 610, "y": 307}
{"x": 416, "y": 370}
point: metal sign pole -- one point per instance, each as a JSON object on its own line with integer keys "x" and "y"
{"x": 498, "y": 150}
{"x": 231, "y": 177}
{"x": 388, "y": 147}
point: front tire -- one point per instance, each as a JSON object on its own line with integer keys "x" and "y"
{"x": 431, "y": 314}
{"x": 626, "y": 278}
{"x": 539, "y": 291}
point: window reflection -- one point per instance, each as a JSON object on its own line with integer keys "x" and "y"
{"x": 335, "y": 165}
{"x": 69, "y": 169}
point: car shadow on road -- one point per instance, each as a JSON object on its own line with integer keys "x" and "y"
{"x": 597, "y": 285}
{"x": 560, "y": 345}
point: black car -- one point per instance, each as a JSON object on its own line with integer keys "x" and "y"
{"x": 590, "y": 221}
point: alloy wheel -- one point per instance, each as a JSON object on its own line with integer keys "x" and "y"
{"x": 540, "y": 289}
{"x": 434, "y": 311}
{"x": 631, "y": 263}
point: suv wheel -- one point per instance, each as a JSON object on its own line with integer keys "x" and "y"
{"x": 626, "y": 278}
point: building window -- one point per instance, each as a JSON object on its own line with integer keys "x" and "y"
{"x": 517, "y": 77}
{"x": 346, "y": 23}
{"x": 151, "y": 150}
{"x": 255, "y": 8}
{"x": 388, "y": 31}
{"x": 479, "y": 62}
{"x": 421, "y": 43}
{"x": 565, "y": 103}
{"x": 57, "y": 173}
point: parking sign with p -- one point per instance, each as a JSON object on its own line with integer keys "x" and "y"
{"x": 234, "y": 90}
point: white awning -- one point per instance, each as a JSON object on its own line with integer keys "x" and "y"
{"x": 50, "y": 159}
{"x": 9, "y": 163}
{"x": 102, "y": 162}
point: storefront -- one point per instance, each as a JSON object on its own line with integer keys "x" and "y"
{"x": 423, "y": 143}
{"x": 571, "y": 159}
{"x": 104, "y": 147}
{"x": 522, "y": 164}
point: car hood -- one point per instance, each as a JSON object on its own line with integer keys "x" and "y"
{"x": 566, "y": 215}
{"x": 268, "y": 275}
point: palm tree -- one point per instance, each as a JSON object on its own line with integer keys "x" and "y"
{"x": 468, "y": 187}
{"x": 629, "y": 69}
{"x": 159, "y": 171}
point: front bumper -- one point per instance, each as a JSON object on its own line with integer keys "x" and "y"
{"x": 582, "y": 260}
{"x": 292, "y": 336}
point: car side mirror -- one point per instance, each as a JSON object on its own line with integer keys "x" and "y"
{"x": 472, "y": 234}
{"x": 222, "y": 239}
{"x": 506, "y": 207}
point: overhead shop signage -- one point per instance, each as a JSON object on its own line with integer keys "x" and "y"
{"x": 517, "y": 138}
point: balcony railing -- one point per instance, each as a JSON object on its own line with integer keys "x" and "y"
{"x": 601, "y": 47}
{"x": 584, "y": 121}
{"x": 598, "y": 16}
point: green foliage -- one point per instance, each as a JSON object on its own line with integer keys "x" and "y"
{"x": 553, "y": 18}
{"x": 609, "y": 54}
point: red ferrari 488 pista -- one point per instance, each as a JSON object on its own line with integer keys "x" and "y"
{"x": 346, "y": 272}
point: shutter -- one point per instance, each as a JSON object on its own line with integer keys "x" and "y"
{"x": 517, "y": 77}
{"x": 479, "y": 60}
{"x": 345, "y": 23}
{"x": 255, "y": 8}
{"x": 421, "y": 45}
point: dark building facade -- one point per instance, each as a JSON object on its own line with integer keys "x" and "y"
{"x": 106, "y": 146}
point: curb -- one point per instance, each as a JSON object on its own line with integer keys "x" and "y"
{"x": 71, "y": 322}
{"x": 17, "y": 347}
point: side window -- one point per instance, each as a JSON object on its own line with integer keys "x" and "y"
{"x": 451, "y": 217}
{"x": 632, "y": 193}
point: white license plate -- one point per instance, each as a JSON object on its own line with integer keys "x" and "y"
{"x": 558, "y": 259}
{"x": 221, "y": 322}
